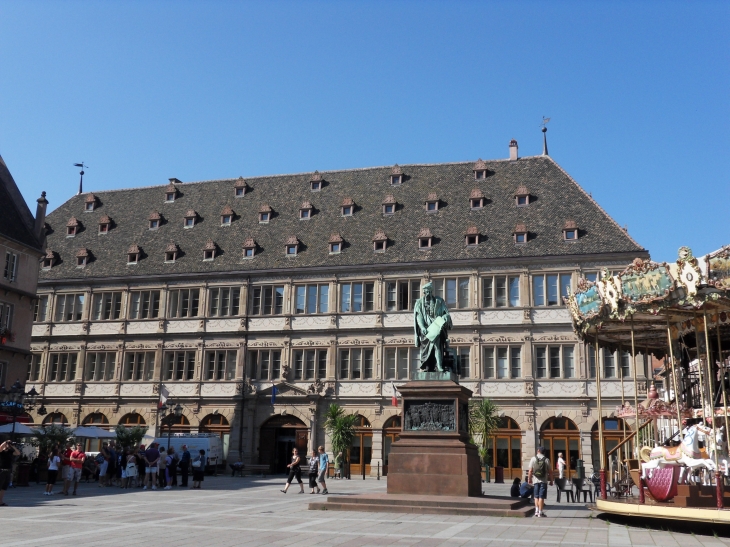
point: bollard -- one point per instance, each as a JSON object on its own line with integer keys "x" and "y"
{"x": 378, "y": 470}
{"x": 363, "y": 471}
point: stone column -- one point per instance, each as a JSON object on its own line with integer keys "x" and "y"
{"x": 529, "y": 439}
{"x": 312, "y": 442}
{"x": 377, "y": 453}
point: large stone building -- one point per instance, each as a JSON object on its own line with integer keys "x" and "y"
{"x": 21, "y": 244}
{"x": 223, "y": 289}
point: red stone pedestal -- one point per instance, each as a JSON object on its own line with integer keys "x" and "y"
{"x": 434, "y": 457}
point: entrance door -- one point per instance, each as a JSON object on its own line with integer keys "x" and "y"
{"x": 561, "y": 436}
{"x": 505, "y": 449}
{"x": 278, "y": 438}
{"x": 391, "y": 433}
{"x": 361, "y": 451}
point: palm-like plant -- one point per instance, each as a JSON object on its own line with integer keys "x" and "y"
{"x": 340, "y": 427}
{"x": 483, "y": 422}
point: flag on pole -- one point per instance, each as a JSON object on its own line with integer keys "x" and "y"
{"x": 273, "y": 394}
{"x": 164, "y": 394}
{"x": 394, "y": 400}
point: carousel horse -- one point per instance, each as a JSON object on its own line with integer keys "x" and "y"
{"x": 687, "y": 454}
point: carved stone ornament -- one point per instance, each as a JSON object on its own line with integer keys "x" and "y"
{"x": 529, "y": 388}
{"x": 316, "y": 388}
{"x": 530, "y": 422}
{"x": 430, "y": 416}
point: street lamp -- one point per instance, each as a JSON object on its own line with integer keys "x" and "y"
{"x": 170, "y": 418}
{"x": 15, "y": 401}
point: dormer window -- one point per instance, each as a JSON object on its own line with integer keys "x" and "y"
{"x": 72, "y": 227}
{"x": 481, "y": 174}
{"x": 425, "y": 239}
{"x": 171, "y": 252}
{"x": 249, "y": 248}
{"x": 292, "y": 246}
{"x": 315, "y": 183}
{"x": 170, "y": 197}
{"x": 476, "y": 199}
{"x": 171, "y": 191}
{"x": 522, "y": 196}
{"x": 480, "y": 170}
{"x": 396, "y": 175}
{"x": 133, "y": 255}
{"x": 432, "y": 203}
{"x": 226, "y": 216}
{"x": 82, "y": 257}
{"x": 570, "y": 230}
{"x": 335, "y": 244}
{"x": 520, "y": 234}
{"x": 90, "y": 203}
{"x": 48, "y": 260}
{"x": 209, "y": 251}
{"x": 348, "y": 207}
{"x": 104, "y": 223}
{"x": 389, "y": 205}
{"x": 226, "y": 220}
{"x": 380, "y": 241}
{"x": 190, "y": 218}
{"x": 305, "y": 211}
{"x": 471, "y": 236}
{"x": 240, "y": 188}
{"x": 265, "y": 213}
{"x": 154, "y": 220}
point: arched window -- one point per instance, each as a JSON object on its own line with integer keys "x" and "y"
{"x": 55, "y": 418}
{"x": 614, "y": 431}
{"x": 392, "y": 423}
{"x": 97, "y": 418}
{"x": 561, "y": 436}
{"x": 505, "y": 448}
{"x": 132, "y": 419}
{"x": 217, "y": 423}
{"x": 391, "y": 433}
{"x": 361, "y": 451}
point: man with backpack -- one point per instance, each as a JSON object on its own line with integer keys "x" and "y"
{"x": 540, "y": 474}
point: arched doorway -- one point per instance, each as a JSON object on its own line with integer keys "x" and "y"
{"x": 217, "y": 423}
{"x": 132, "y": 419}
{"x": 361, "y": 451}
{"x": 561, "y": 435}
{"x": 97, "y": 419}
{"x": 391, "y": 433}
{"x": 614, "y": 431}
{"x": 56, "y": 418}
{"x": 506, "y": 448}
{"x": 279, "y": 435}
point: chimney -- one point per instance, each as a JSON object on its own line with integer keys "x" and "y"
{"x": 513, "y": 150}
{"x": 40, "y": 218}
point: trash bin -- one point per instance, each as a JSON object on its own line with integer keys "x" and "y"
{"x": 499, "y": 474}
{"x": 487, "y": 474}
{"x": 22, "y": 474}
{"x": 580, "y": 471}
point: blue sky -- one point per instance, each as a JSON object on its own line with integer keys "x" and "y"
{"x": 144, "y": 91}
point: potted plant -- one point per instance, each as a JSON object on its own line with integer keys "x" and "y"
{"x": 341, "y": 429}
{"x": 483, "y": 422}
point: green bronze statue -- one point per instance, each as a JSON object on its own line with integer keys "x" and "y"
{"x": 431, "y": 322}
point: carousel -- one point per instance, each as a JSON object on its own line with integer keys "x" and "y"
{"x": 672, "y": 460}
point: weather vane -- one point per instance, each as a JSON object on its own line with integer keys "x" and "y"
{"x": 544, "y": 123}
{"x": 81, "y": 182}
{"x": 544, "y": 135}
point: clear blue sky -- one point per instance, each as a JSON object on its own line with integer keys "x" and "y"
{"x": 638, "y": 93}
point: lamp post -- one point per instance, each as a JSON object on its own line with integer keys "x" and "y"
{"x": 170, "y": 418}
{"x": 15, "y": 401}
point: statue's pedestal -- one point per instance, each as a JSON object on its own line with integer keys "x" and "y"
{"x": 433, "y": 455}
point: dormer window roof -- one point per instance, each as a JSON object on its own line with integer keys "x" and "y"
{"x": 432, "y": 203}
{"x": 249, "y": 248}
{"x": 520, "y": 234}
{"x": 170, "y": 192}
{"x": 425, "y": 239}
{"x": 476, "y": 199}
{"x": 49, "y": 259}
{"x": 315, "y": 183}
{"x": 389, "y": 205}
{"x": 305, "y": 211}
{"x": 226, "y": 216}
{"x": 480, "y": 169}
{"x": 172, "y": 251}
{"x": 240, "y": 188}
{"x": 209, "y": 251}
{"x": 471, "y": 236}
{"x": 348, "y": 207}
{"x": 190, "y": 218}
{"x": 380, "y": 241}
{"x": 72, "y": 227}
{"x": 155, "y": 219}
{"x": 522, "y": 196}
{"x": 82, "y": 257}
{"x": 335, "y": 244}
{"x": 90, "y": 203}
{"x": 396, "y": 175}
{"x": 133, "y": 254}
{"x": 104, "y": 224}
{"x": 291, "y": 246}
{"x": 570, "y": 230}
{"x": 265, "y": 212}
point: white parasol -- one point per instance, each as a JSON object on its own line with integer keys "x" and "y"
{"x": 93, "y": 432}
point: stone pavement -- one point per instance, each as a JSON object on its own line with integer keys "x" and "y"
{"x": 251, "y": 511}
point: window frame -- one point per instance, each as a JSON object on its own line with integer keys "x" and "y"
{"x": 10, "y": 273}
{"x": 149, "y": 300}
{"x": 393, "y": 361}
{"x": 139, "y": 366}
{"x": 491, "y": 368}
{"x": 215, "y": 298}
{"x": 367, "y": 290}
{"x": 78, "y": 299}
{"x": 275, "y": 298}
{"x": 398, "y": 293}
{"x": 543, "y": 301}
{"x": 547, "y": 370}
{"x": 441, "y": 288}
{"x": 107, "y": 369}
{"x": 56, "y": 367}
{"x": 301, "y": 361}
{"x": 41, "y": 309}
{"x": 273, "y": 364}
{"x": 176, "y": 303}
{"x": 217, "y": 370}
{"x": 98, "y": 300}
{"x": 175, "y": 369}
{"x": 365, "y": 372}
{"x": 302, "y": 292}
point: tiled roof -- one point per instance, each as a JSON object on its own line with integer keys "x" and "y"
{"x": 16, "y": 220}
{"x": 480, "y": 165}
{"x": 558, "y": 198}
{"x": 72, "y": 222}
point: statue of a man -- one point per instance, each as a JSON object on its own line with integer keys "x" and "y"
{"x": 431, "y": 322}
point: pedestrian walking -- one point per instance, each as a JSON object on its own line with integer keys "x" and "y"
{"x": 540, "y": 473}
{"x": 324, "y": 462}
{"x": 561, "y": 465}
{"x": 7, "y": 453}
{"x": 199, "y": 469}
{"x": 295, "y": 471}
{"x": 313, "y": 472}
{"x": 78, "y": 457}
{"x": 66, "y": 473}
{"x": 184, "y": 466}
{"x": 54, "y": 463}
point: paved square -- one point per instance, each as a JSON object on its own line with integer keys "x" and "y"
{"x": 251, "y": 511}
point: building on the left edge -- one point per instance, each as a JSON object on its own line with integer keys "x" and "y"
{"x": 21, "y": 248}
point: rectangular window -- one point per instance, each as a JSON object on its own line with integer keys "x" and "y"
{"x": 6, "y": 316}
{"x": 568, "y": 362}
{"x": 515, "y": 359}
{"x": 144, "y": 304}
{"x": 464, "y": 354}
{"x": 312, "y": 299}
{"x": 183, "y": 303}
{"x": 356, "y": 364}
{"x": 264, "y": 364}
{"x": 267, "y": 300}
{"x": 555, "y": 362}
{"x": 514, "y": 291}
{"x": 224, "y": 301}
{"x": 489, "y": 362}
{"x": 220, "y": 365}
{"x": 69, "y": 307}
{"x": 554, "y": 353}
{"x": 106, "y": 306}
{"x": 402, "y": 295}
{"x": 538, "y": 290}
{"x": 503, "y": 362}
{"x": 541, "y": 362}
{"x": 550, "y": 289}
{"x": 401, "y": 362}
{"x": 34, "y": 368}
{"x": 179, "y": 366}
{"x": 591, "y": 276}
{"x": 609, "y": 364}
{"x": 454, "y": 291}
{"x": 100, "y": 366}
{"x": 139, "y": 366}
{"x": 11, "y": 266}
{"x": 40, "y": 314}
{"x": 591, "y": 349}
{"x": 625, "y": 364}
{"x": 357, "y": 297}
{"x": 487, "y": 295}
{"x": 63, "y": 367}
{"x": 310, "y": 364}
{"x": 500, "y": 291}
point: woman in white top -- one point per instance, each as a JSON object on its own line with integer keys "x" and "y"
{"x": 54, "y": 463}
{"x": 561, "y": 465}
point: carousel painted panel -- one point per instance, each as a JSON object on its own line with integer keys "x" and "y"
{"x": 718, "y": 268}
{"x": 644, "y": 282}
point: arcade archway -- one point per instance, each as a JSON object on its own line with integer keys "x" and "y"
{"x": 561, "y": 435}
{"x": 391, "y": 433}
{"x": 278, "y": 436}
